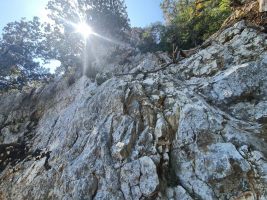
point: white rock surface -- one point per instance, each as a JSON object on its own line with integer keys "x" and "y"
{"x": 195, "y": 130}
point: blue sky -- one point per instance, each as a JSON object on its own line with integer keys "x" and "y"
{"x": 144, "y": 12}
{"x": 141, "y": 12}
{"x": 11, "y": 10}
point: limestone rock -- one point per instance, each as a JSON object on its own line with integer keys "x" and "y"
{"x": 149, "y": 178}
{"x": 194, "y": 130}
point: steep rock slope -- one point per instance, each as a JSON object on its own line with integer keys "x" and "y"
{"x": 192, "y": 130}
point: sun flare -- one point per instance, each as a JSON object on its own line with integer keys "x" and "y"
{"x": 84, "y": 29}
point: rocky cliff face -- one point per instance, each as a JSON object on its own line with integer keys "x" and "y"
{"x": 192, "y": 130}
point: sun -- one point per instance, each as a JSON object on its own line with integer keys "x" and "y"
{"x": 84, "y": 29}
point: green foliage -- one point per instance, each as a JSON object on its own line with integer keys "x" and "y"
{"x": 158, "y": 37}
{"x": 107, "y": 18}
{"x": 24, "y": 43}
{"x": 151, "y": 37}
{"x": 195, "y": 20}
{"x": 188, "y": 24}
{"x": 19, "y": 46}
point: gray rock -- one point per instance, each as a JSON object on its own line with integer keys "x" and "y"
{"x": 149, "y": 180}
{"x": 100, "y": 78}
{"x": 194, "y": 130}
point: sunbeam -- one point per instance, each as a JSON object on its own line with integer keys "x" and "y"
{"x": 84, "y": 29}
{"x": 107, "y": 39}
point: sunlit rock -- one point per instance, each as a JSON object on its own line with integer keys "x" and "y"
{"x": 193, "y": 130}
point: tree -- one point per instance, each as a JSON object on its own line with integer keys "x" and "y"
{"x": 24, "y": 42}
{"x": 158, "y": 37}
{"x": 19, "y": 48}
{"x": 195, "y": 20}
{"x": 169, "y": 8}
{"x": 151, "y": 37}
{"x": 105, "y": 16}
{"x": 108, "y": 18}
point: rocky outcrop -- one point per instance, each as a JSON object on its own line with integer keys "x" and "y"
{"x": 192, "y": 130}
{"x": 252, "y": 11}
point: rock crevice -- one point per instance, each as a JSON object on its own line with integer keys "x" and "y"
{"x": 191, "y": 130}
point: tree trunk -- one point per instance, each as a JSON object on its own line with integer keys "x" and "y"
{"x": 262, "y": 5}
